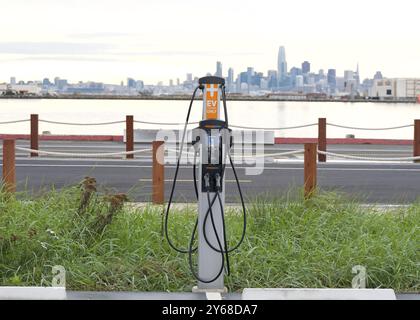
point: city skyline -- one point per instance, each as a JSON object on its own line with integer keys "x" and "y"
{"x": 282, "y": 75}
{"x": 147, "y": 40}
{"x": 280, "y": 63}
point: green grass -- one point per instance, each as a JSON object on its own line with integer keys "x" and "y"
{"x": 288, "y": 244}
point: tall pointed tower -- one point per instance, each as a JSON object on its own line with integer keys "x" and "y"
{"x": 281, "y": 65}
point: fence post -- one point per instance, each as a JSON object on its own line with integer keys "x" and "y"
{"x": 129, "y": 136}
{"x": 310, "y": 169}
{"x": 416, "y": 143}
{"x": 158, "y": 181}
{"x": 9, "y": 171}
{"x": 322, "y": 138}
{"x": 34, "y": 134}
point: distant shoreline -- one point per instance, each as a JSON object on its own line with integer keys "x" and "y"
{"x": 187, "y": 97}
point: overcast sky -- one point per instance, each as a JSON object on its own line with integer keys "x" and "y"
{"x": 155, "y": 40}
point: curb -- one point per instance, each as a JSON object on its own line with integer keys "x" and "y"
{"x": 33, "y": 293}
{"x": 63, "y": 137}
{"x": 343, "y": 141}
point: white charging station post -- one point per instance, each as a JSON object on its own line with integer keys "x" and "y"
{"x": 210, "y": 260}
{"x": 212, "y": 141}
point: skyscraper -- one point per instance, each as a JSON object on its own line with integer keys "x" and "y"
{"x": 249, "y": 75}
{"x": 348, "y": 75}
{"x": 281, "y": 65}
{"x": 272, "y": 78}
{"x": 306, "y": 67}
{"x": 332, "y": 78}
{"x": 357, "y": 76}
{"x": 230, "y": 80}
{"x": 219, "y": 72}
{"x": 230, "y": 74}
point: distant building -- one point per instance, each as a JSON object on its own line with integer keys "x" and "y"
{"x": 357, "y": 76}
{"x": 378, "y": 76}
{"x": 249, "y": 75}
{"x": 86, "y": 88}
{"x": 331, "y": 78}
{"x": 20, "y": 89}
{"x": 348, "y": 75}
{"x": 365, "y": 86}
{"x": 306, "y": 67}
{"x": 256, "y": 79}
{"x": 46, "y": 82}
{"x": 281, "y": 65}
{"x": 299, "y": 82}
{"x": 139, "y": 85}
{"x": 264, "y": 84}
{"x": 230, "y": 79}
{"x": 272, "y": 79}
{"x": 219, "y": 72}
{"x": 60, "y": 84}
{"x": 395, "y": 88}
{"x": 294, "y": 72}
{"x": 131, "y": 83}
{"x": 12, "y": 80}
{"x": 310, "y": 78}
{"x": 189, "y": 77}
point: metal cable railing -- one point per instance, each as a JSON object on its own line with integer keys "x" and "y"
{"x": 373, "y": 129}
{"x": 262, "y": 155}
{"x": 165, "y": 123}
{"x": 196, "y": 122}
{"x": 14, "y": 121}
{"x": 351, "y": 157}
{"x": 279, "y": 154}
{"x": 279, "y": 128}
{"x": 75, "y": 154}
{"x": 80, "y": 123}
{"x": 121, "y": 153}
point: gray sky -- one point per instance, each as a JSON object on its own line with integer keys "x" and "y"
{"x": 161, "y": 39}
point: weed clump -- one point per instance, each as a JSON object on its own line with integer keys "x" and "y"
{"x": 115, "y": 204}
{"x": 88, "y": 188}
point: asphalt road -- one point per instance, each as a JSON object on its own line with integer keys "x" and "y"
{"x": 366, "y": 182}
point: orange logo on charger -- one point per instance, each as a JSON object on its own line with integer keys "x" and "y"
{"x": 212, "y": 100}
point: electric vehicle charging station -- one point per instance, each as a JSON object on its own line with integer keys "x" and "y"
{"x": 212, "y": 141}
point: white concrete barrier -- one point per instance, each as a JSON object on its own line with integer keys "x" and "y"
{"x": 318, "y": 294}
{"x": 33, "y": 293}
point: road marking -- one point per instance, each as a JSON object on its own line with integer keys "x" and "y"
{"x": 345, "y": 162}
